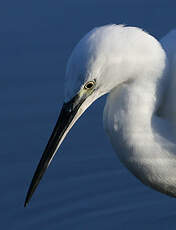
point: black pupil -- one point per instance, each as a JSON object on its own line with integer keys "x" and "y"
{"x": 89, "y": 85}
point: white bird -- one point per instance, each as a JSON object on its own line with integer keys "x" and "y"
{"x": 139, "y": 74}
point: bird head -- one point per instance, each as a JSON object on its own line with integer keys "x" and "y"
{"x": 105, "y": 58}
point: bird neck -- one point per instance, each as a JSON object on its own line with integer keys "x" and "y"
{"x": 129, "y": 107}
{"x": 128, "y": 116}
{"x": 143, "y": 141}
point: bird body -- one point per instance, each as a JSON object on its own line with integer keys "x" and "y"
{"x": 140, "y": 114}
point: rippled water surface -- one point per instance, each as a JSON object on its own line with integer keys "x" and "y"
{"x": 85, "y": 188}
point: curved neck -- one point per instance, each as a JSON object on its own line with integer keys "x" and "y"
{"x": 143, "y": 141}
{"x": 129, "y": 107}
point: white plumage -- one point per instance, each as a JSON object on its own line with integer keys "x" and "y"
{"x": 139, "y": 115}
{"x": 139, "y": 74}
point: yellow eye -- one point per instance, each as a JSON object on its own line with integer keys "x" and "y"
{"x": 89, "y": 85}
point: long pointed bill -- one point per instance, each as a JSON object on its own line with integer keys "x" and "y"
{"x": 70, "y": 112}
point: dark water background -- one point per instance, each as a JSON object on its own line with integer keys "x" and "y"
{"x": 85, "y": 188}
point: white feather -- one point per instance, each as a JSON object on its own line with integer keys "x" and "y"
{"x": 140, "y": 111}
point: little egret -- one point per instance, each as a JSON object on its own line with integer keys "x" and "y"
{"x": 139, "y": 74}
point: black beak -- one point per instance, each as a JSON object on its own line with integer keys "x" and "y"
{"x": 67, "y": 118}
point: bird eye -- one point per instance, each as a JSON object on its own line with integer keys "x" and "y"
{"x": 89, "y": 85}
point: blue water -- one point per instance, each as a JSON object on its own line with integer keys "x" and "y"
{"x": 86, "y": 187}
